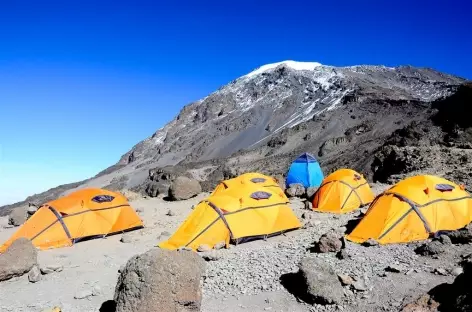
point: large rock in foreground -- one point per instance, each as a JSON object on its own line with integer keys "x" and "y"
{"x": 18, "y": 259}
{"x": 322, "y": 283}
{"x": 160, "y": 280}
{"x": 184, "y": 188}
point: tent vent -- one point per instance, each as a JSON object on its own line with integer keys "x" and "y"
{"x": 103, "y": 198}
{"x": 357, "y": 177}
{"x": 444, "y": 187}
{"x": 258, "y": 180}
{"x": 260, "y": 195}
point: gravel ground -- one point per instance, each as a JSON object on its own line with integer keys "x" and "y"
{"x": 253, "y": 276}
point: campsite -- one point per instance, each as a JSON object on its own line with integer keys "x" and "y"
{"x": 239, "y": 156}
{"x": 256, "y": 235}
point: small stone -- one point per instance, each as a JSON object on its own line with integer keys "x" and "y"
{"x": 440, "y": 271}
{"x": 126, "y": 238}
{"x": 170, "y": 213}
{"x": 457, "y": 271}
{"x": 220, "y": 245}
{"x": 51, "y": 268}
{"x": 445, "y": 240}
{"x": 184, "y": 248}
{"x": 210, "y": 256}
{"x": 83, "y": 294}
{"x": 34, "y": 275}
{"x": 409, "y": 272}
{"x": 31, "y": 210}
{"x": 370, "y": 242}
{"x": 359, "y": 285}
{"x": 203, "y": 248}
{"x": 433, "y": 249}
{"x": 46, "y": 270}
{"x": 345, "y": 279}
{"x": 310, "y": 224}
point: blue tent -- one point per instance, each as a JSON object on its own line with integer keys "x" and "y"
{"x": 305, "y": 170}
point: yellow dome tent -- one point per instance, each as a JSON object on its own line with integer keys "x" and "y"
{"x": 413, "y": 209}
{"x": 251, "y": 179}
{"x": 237, "y": 211}
{"x": 82, "y": 214}
{"x": 342, "y": 191}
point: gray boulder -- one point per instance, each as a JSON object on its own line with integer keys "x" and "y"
{"x": 18, "y": 216}
{"x": 184, "y": 188}
{"x": 152, "y": 189}
{"x": 461, "y": 236}
{"x": 160, "y": 280}
{"x": 321, "y": 282}
{"x": 310, "y": 192}
{"x": 330, "y": 242}
{"x": 31, "y": 210}
{"x": 18, "y": 259}
{"x": 432, "y": 248}
{"x": 295, "y": 190}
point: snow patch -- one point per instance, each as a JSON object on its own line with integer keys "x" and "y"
{"x": 291, "y": 64}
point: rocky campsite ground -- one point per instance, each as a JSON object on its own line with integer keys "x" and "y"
{"x": 256, "y": 276}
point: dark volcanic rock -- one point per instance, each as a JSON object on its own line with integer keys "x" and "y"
{"x": 432, "y": 248}
{"x": 152, "y": 189}
{"x": 461, "y": 236}
{"x": 160, "y": 280}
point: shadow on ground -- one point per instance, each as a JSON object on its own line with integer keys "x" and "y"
{"x": 294, "y": 284}
{"x": 108, "y": 306}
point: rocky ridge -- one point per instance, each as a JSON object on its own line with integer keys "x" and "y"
{"x": 262, "y": 120}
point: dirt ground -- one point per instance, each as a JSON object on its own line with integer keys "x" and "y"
{"x": 94, "y": 264}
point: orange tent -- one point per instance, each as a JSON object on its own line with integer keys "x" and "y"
{"x": 413, "y": 209}
{"x": 82, "y": 214}
{"x": 342, "y": 191}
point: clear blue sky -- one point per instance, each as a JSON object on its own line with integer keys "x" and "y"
{"x": 82, "y": 81}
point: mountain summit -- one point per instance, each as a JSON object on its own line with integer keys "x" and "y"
{"x": 263, "y": 119}
{"x": 259, "y": 105}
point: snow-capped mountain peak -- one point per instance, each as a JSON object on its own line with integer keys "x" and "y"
{"x": 258, "y": 106}
{"x": 289, "y": 63}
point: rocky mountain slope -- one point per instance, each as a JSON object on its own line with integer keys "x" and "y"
{"x": 262, "y": 120}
